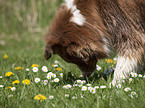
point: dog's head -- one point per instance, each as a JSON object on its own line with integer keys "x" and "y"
{"x": 81, "y": 45}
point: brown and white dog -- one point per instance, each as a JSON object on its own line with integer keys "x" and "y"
{"x": 84, "y": 31}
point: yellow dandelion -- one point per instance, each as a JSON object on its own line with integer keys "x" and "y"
{"x": 9, "y": 87}
{"x": 9, "y": 74}
{"x": 26, "y": 81}
{"x": 5, "y": 56}
{"x": 18, "y": 68}
{"x": 40, "y": 97}
{"x": 59, "y": 69}
{"x": 34, "y": 65}
{"x": 16, "y": 82}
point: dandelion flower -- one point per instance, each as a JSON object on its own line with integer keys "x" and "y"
{"x": 74, "y": 97}
{"x": 35, "y": 69}
{"x": 66, "y": 95}
{"x": 58, "y": 69}
{"x": 26, "y": 81}
{"x": 9, "y": 87}
{"x": 45, "y": 82}
{"x": 37, "y": 80}
{"x": 103, "y": 86}
{"x": 51, "y": 97}
{"x": 84, "y": 88}
{"x": 16, "y": 82}
{"x": 34, "y": 65}
{"x": 40, "y": 97}
{"x": 127, "y": 89}
{"x": 5, "y": 56}
{"x": 13, "y": 88}
{"x": 8, "y": 74}
{"x": 18, "y": 68}
{"x": 56, "y": 80}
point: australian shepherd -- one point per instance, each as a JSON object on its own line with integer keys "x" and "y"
{"x": 84, "y": 31}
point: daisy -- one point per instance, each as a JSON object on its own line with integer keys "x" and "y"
{"x": 65, "y": 87}
{"x": 51, "y": 97}
{"x": 56, "y": 80}
{"x": 48, "y": 77}
{"x": 35, "y": 69}
{"x": 93, "y": 90}
{"x": 10, "y": 95}
{"x": 90, "y": 88}
{"x": 83, "y": 81}
{"x": 84, "y": 88}
{"x": 127, "y": 89}
{"x": 61, "y": 74}
{"x": 50, "y": 74}
{"x": 1, "y": 77}
{"x": 78, "y": 81}
{"x": 13, "y": 88}
{"x": 69, "y": 86}
{"x": 118, "y": 86}
{"x": 1, "y": 86}
{"x": 133, "y": 94}
{"x": 144, "y": 76}
{"x": 44, "y": 69}
{"x": 122, "y": 77}
{"x": 134, "y": 75}
{"x": 55, "y": 65}
{"x": 37, "y": 80}
{"x": 27, "y": 69}
{"x": 140, "y": 75}
{"x": 54, "y": 75}
{"x": 45, "y": 82}
{"x": 89, "y": 85}
{"x": 130, "y": 79}
{"x": 80, "y": 85}
{"x": 96, "y": 87}
{"x": 74, "y": 97}
{"x": 103, "y": 86}
{"x": 98, "y": 67}
{"x": 82, "y": 96}
{"x": 66, "y": 95}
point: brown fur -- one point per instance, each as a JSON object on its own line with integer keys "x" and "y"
{"x": 120, "y": 22}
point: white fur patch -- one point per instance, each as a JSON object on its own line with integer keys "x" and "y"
{"x": 125, "y": 66}
{"x": 77, "y": 16}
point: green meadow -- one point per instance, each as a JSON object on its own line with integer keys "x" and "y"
{"x": 27, "y": 80}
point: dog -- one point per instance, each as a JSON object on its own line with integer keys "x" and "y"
{"x": 85, "y": 31}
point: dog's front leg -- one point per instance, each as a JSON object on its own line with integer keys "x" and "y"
{"x": 125, "y": 65}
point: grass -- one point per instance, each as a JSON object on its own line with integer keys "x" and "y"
{"x": 24, "y": 46}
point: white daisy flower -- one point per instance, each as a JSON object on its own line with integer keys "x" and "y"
{"x": 83, "y": 81}
{"x": 61, "y": 74}
{"x": 13, "y": 88}
{"x": 1, "y": 86}
{"x": 27, "y": 69}
{"x": 98, "y": 67}
{"x": 74, "y": 97}
{"x": 122, "y": 77}
{"x": 66, "y": 95}
{"x": 144, "y": 76}
{"x": 44, "y": 69}
{"x": 127, "y": 89}
{"x": 96, "y": 87}
{"x": 50, "y": 74}
{"x": 80, "y": 85}
{"x": 133, "y": 94}
{"x": 134, "y": 75}
{"x": 78, "y": 81}
{"x": 103, "y": 86}
{"x": 56, "y": 80}
{"x": 90, "y": 88}
{"x": 75, "y": 85}
{"x": 93, "y": 90}
{"x": 82, "y": 96}
{"x": 37, "y": 80}
{"x": 118, "y": 86}
{"x": 140, "y": 75}
{"x": 55, "y": 65}
{"x": 84, "y": 88}
{"x": 45, "y": 82}
{"x": 10, "y": 95}
{"x": 35, "y": 69}
{"x": 54, "y": 75}
{"x": 69, "y": 86}
{"x": 130, "y": 79}
{"x": 65, "y": 87}
{"x": 123, "y": 81}
{"x": 48, "y": 77}
{"x": 51, "y": 97}
{"x": 115, "y": 59}
{"x": 88, "y": 85}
